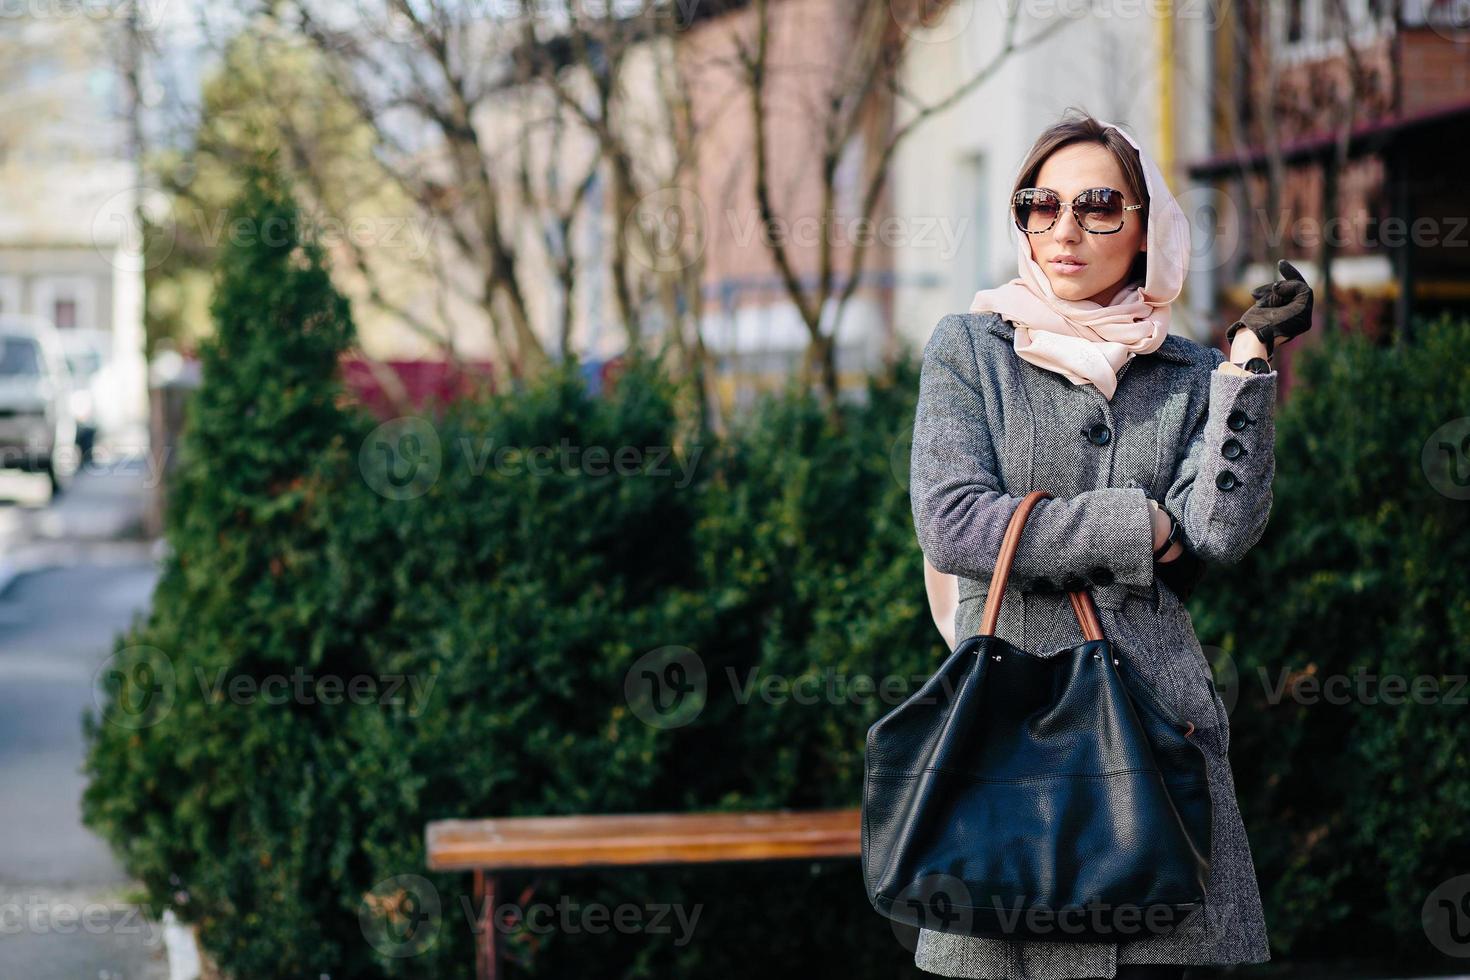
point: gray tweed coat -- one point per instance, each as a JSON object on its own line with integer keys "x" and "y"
{"x": 989, "y": 428}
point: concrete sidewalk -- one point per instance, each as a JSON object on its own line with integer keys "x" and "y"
{"x": 70, "y": 579}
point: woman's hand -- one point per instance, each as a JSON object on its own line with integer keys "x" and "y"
{"x": 1161, "y": 532}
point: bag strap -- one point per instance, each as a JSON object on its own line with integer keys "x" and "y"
{"x": 1082, "y": 604}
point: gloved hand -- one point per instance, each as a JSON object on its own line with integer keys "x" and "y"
{"x": 1282, "y": 309}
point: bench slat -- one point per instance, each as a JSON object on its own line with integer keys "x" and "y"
{"x": 504, "y": 843}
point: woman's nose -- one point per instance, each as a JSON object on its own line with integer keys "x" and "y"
{"x": 1066, "y": 229}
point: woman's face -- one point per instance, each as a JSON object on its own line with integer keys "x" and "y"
{"x": 1105, "y": 259}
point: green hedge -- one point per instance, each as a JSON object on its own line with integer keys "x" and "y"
{"x": 1357, "y": 806}
{"x": 520, "y": 603}
{"x": 558, "y": 624}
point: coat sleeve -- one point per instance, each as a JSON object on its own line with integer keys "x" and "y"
{"x": 1221, "y": 491}
{"x": 961, "y": 510}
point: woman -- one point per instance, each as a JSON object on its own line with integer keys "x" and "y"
{"x": 1158, "y": 451}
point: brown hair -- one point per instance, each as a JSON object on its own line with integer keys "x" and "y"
{"x": 1085, "y": 129}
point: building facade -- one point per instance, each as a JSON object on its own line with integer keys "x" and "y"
{"x": 1337, "y": 136}
{"x": 69, "y": 249}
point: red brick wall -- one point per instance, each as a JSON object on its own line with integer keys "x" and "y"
{"x": 1435, "y": 70}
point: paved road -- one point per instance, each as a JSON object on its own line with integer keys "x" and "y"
{"x": 72, "y": 580}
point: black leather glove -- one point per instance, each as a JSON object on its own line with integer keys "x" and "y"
{"x": 1282, "y": 309}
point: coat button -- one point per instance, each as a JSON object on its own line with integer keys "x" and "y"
{"x": 1100, "y": 575}
{"x": 1232, "y": 449}
{"x": 1226, "y": 480}
{"x": 1238, "y": 420}
{"x": 1099, "y": 434}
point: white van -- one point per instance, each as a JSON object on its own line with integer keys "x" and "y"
{"x": 38, "y": 431}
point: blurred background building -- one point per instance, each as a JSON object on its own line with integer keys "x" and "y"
{"x": 68, "y": 192}
{"x": 1340, "y": 119}
{"x": 1349, "y": 128}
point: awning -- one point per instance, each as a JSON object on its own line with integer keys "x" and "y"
{"x": 1368, "y": 136}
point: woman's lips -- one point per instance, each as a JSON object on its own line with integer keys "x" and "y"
{"x": 1067, "y": 268}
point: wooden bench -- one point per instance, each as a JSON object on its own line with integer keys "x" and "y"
{"x": 489, "y": 847}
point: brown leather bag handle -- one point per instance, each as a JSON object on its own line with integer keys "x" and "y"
{"x": 1081, "y": 600}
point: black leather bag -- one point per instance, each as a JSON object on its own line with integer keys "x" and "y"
{"x": 1035, "y": 798}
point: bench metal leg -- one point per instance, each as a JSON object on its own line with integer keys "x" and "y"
{"x": 487, "y": 939}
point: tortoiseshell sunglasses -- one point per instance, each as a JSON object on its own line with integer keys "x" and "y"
{"x": 1099, "y": 210}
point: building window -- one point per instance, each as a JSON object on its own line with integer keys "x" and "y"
{"x": 1296, "y": 21}
{"x": 1310, "y": 30}
{"x": 67, "y": 301}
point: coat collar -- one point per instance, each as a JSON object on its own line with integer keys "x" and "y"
{"x": 1174, "y": 348}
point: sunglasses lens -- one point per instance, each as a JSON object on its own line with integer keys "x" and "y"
{"x": 1036, "y": 210}
{"x": 1100, "y": 209}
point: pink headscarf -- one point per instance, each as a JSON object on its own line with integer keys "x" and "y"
{"x": 1088, "y": 342}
